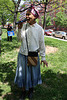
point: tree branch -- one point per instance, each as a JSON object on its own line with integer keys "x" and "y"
{"x": 39, "y": 3}
{"x": 18, "y": 3}
{"x": 8, "y": 8}
{"x": 23, "y": 9}
{"x": 14, "y": 3}
{"x": 55, "y": 8}
{"x": 52, "y": 2}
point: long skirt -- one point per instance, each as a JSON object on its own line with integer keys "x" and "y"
{"x": 27, "y": 76}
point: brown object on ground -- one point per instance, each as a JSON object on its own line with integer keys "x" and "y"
{"x": 50, "y": 49}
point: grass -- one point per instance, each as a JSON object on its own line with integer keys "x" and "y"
{"x": 54, "y": 86}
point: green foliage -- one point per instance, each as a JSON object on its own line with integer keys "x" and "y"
{"x": 18, "y": 15}
{"x": 37, "y": 20}
{"x": 4, "y": 13}
{"x": 61, "y": 19}
{"x": 48, "y": 20}
{"x": 43, "y": 0}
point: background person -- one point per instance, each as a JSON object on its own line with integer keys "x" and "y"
{"x": 9, "y": 28}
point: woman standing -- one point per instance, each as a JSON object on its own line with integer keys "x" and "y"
{"x": 27, "y": 77}
{"x": 9, "y": 28}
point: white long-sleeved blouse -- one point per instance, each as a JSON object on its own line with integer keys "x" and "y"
{"x": 35, "y": 38}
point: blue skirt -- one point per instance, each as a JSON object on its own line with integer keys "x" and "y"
{"x": 27, "y": 76}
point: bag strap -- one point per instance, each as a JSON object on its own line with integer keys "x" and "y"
{"x": 26, "y": 37}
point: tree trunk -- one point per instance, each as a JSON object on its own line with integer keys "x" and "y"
{"x": 44, "y": 20}
{"x": 2, "y": 21}
{"x": 14, "y": 22}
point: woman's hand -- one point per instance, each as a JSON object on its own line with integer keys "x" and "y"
{"x": 44, "y": 63}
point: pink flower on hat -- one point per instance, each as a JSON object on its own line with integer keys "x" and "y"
{"x": 34, "y": 11}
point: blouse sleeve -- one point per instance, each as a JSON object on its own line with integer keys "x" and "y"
{"x": 20, "y": 32}
{"x": 42, "y": 45}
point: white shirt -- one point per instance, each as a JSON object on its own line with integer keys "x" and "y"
{"x": 35, "y": 38}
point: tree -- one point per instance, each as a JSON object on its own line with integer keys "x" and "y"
{"x": 48, "y": 21}
{"x": 60, "y": 19}
{"x": 13, "y": 10}
{"x": 54, "y": 6}
{"x": 4, "y": 13}
{"x": 9, "y": 10}
{"x": 13, "y": 7}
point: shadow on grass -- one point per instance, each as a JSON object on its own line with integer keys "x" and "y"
{"x": 8, "y": 46}
{"x": 53, "y": 88}
{"x": 7, "y": 74}
{"x": 1, "y": 90}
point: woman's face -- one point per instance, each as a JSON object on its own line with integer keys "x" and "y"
{"x": 30, "y": 18}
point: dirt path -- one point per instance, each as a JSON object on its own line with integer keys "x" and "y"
{"x": 50, "y": 49}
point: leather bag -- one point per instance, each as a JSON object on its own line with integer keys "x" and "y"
{"x": 32, "y": 58}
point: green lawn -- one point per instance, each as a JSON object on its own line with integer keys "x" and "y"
{"x": 54, "y": 77}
